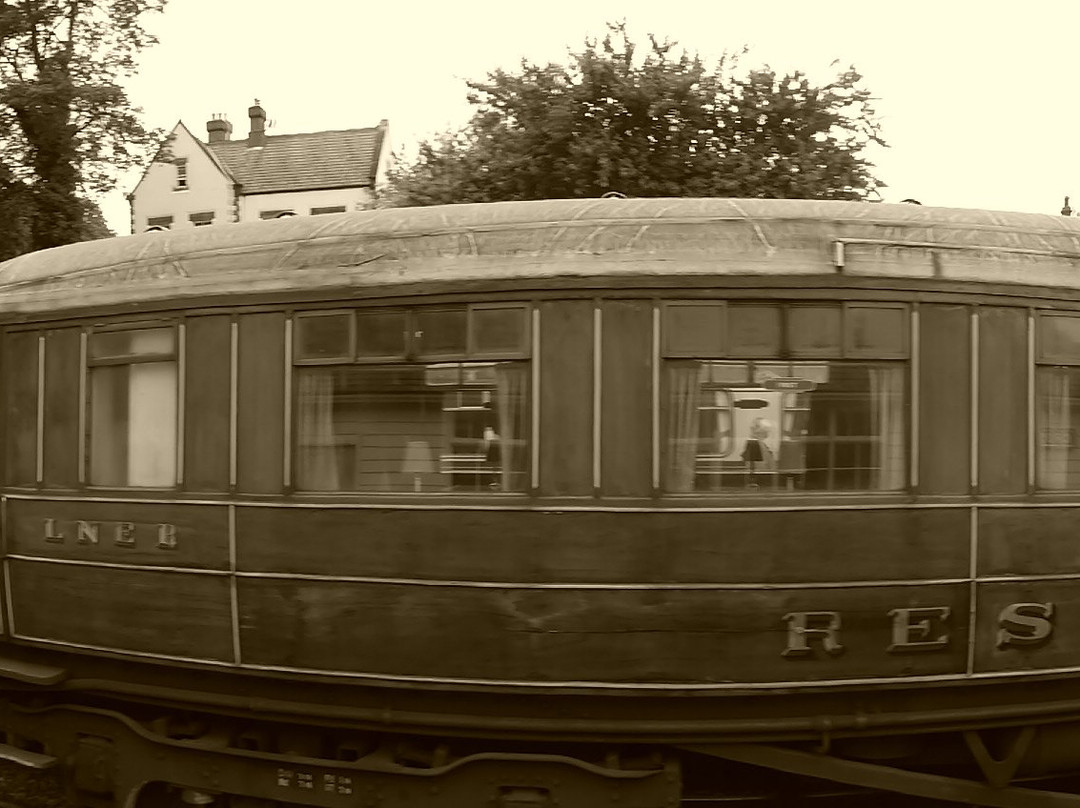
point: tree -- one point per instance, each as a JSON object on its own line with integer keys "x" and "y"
{"x": 67, "y": 127}
{"x": 664, "y": 125}
{"x": 15, "y": 215}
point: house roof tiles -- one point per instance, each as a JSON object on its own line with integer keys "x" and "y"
{"x": 308, "y": 161}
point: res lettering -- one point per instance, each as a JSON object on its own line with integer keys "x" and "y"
{"x": 814, "y": 634}
{"x": 1025, "y": 624}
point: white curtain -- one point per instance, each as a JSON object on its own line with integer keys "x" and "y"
{"x": 152, "y": 424}
{"x": 684, "y": 426}
{"x": 317, "y": 462}
{"x": 887, "y": 428}
{"x": 1053, "y": 433}
{"x": 511, "y": 401}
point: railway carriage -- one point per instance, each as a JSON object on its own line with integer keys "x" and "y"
{"x": 657, "y": 502}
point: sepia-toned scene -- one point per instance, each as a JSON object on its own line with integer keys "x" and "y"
{"x": 538, "y": 407}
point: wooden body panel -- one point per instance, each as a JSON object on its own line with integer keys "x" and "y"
{"x": 945, "y": 399}
{"x": 605, "y": 547}
{"x": 61, "y": 411}
{"x": 1028, "y": 541}
{"x": 260, "y": 397}
{"x": 569, "y": 635}
{"x": 605, "y": 597}
{"x": 626, "y": 398}
{"x": 1049, "y": 605}
{"x": 1003, "y": 400}
{"x": 207, "y": 432}
{"x": 146, "y": 612}
{"x": 20, "y": 392}
{"x": 566, "y": 406}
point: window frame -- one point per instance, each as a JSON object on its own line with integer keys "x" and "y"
{"x": 182, "y": 183}
{"x": 412, "y": 356}
{"x": 1042, "y": 356}
{"x": 852, "y": 352}
{"x": 725, "y": 350}
{"x": 345, "y": 358}
{"x": 1044, "y": 360}
{"x": 119, "y": 360}
{"x": 844, "y": 353}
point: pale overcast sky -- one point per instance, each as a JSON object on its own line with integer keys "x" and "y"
{"x": 979, "y": 101}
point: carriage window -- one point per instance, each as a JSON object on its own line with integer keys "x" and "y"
{"x": 1057, "y": 403}
{"x": 753, "y": 330}
{"x": 830, "y": 423}
{"x": 425, "y": 425}
{"x": 380, "y": 335}
{"x": 324, "y": 336}
{"x": 133, "y": 408}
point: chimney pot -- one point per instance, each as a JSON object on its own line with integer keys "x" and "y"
{"x": 218, "y": 129}
{"x": 257, "y": 115}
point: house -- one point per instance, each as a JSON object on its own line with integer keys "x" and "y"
{"x": 195, "y": 183}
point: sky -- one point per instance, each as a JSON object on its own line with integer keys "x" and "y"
{"x": 979, "y": 102}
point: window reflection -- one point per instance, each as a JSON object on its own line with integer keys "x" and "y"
{"x": 419, "y": 428}
{"x": 1057, "y": 421}
{"x": 785, "y": 426}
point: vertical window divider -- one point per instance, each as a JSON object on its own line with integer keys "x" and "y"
{"x": 534, "y": 455}
{"x": 181, "y": 398}
{"x": 8, "y": 600}
{"x": 286, "y": 471}
{"x": 234, "y": 385}
{"x": 83, "y": 371}
{"x": 234, "y": 595}
{"x": 913, "y": 449}
{"x": 40, "y": 442}
{"x": 973, "y": 586}
{"x": 598, "y": 328}
{"x": 655, "y": 421}
{"x": 4, "y": 610}
{"x": 1031, "y": 435}
{"x": 974, "y": 458}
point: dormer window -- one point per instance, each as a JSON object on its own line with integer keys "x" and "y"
{"x": 181, "y": 175}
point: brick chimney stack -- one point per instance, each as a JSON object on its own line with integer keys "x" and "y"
{"x": 257, "y": 135}
{"x": 218, "y": 129}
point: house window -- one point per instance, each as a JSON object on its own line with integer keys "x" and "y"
{"x": 201, "y": 219}
{"x": 1057, "y": 402}
{"x": 159, "y": 223}
{"x": 276, "y": 214}
{"x": 427, "y": 400}
{"x": 774, "y": 398}
{"x": 133, "y": 407}
{"x": 330, "y": 209}
{"x": 181, "y": 174}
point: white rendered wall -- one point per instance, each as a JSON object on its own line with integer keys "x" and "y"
{"x": 208, "y": 190}
{"x": 301, "y": 202}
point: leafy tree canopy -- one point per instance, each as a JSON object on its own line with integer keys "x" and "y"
{"x": 67, "y": 127}
{"x": 662, "y": 125}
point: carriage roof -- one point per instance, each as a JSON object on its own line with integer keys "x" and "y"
{"x": 549, "y": 240}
